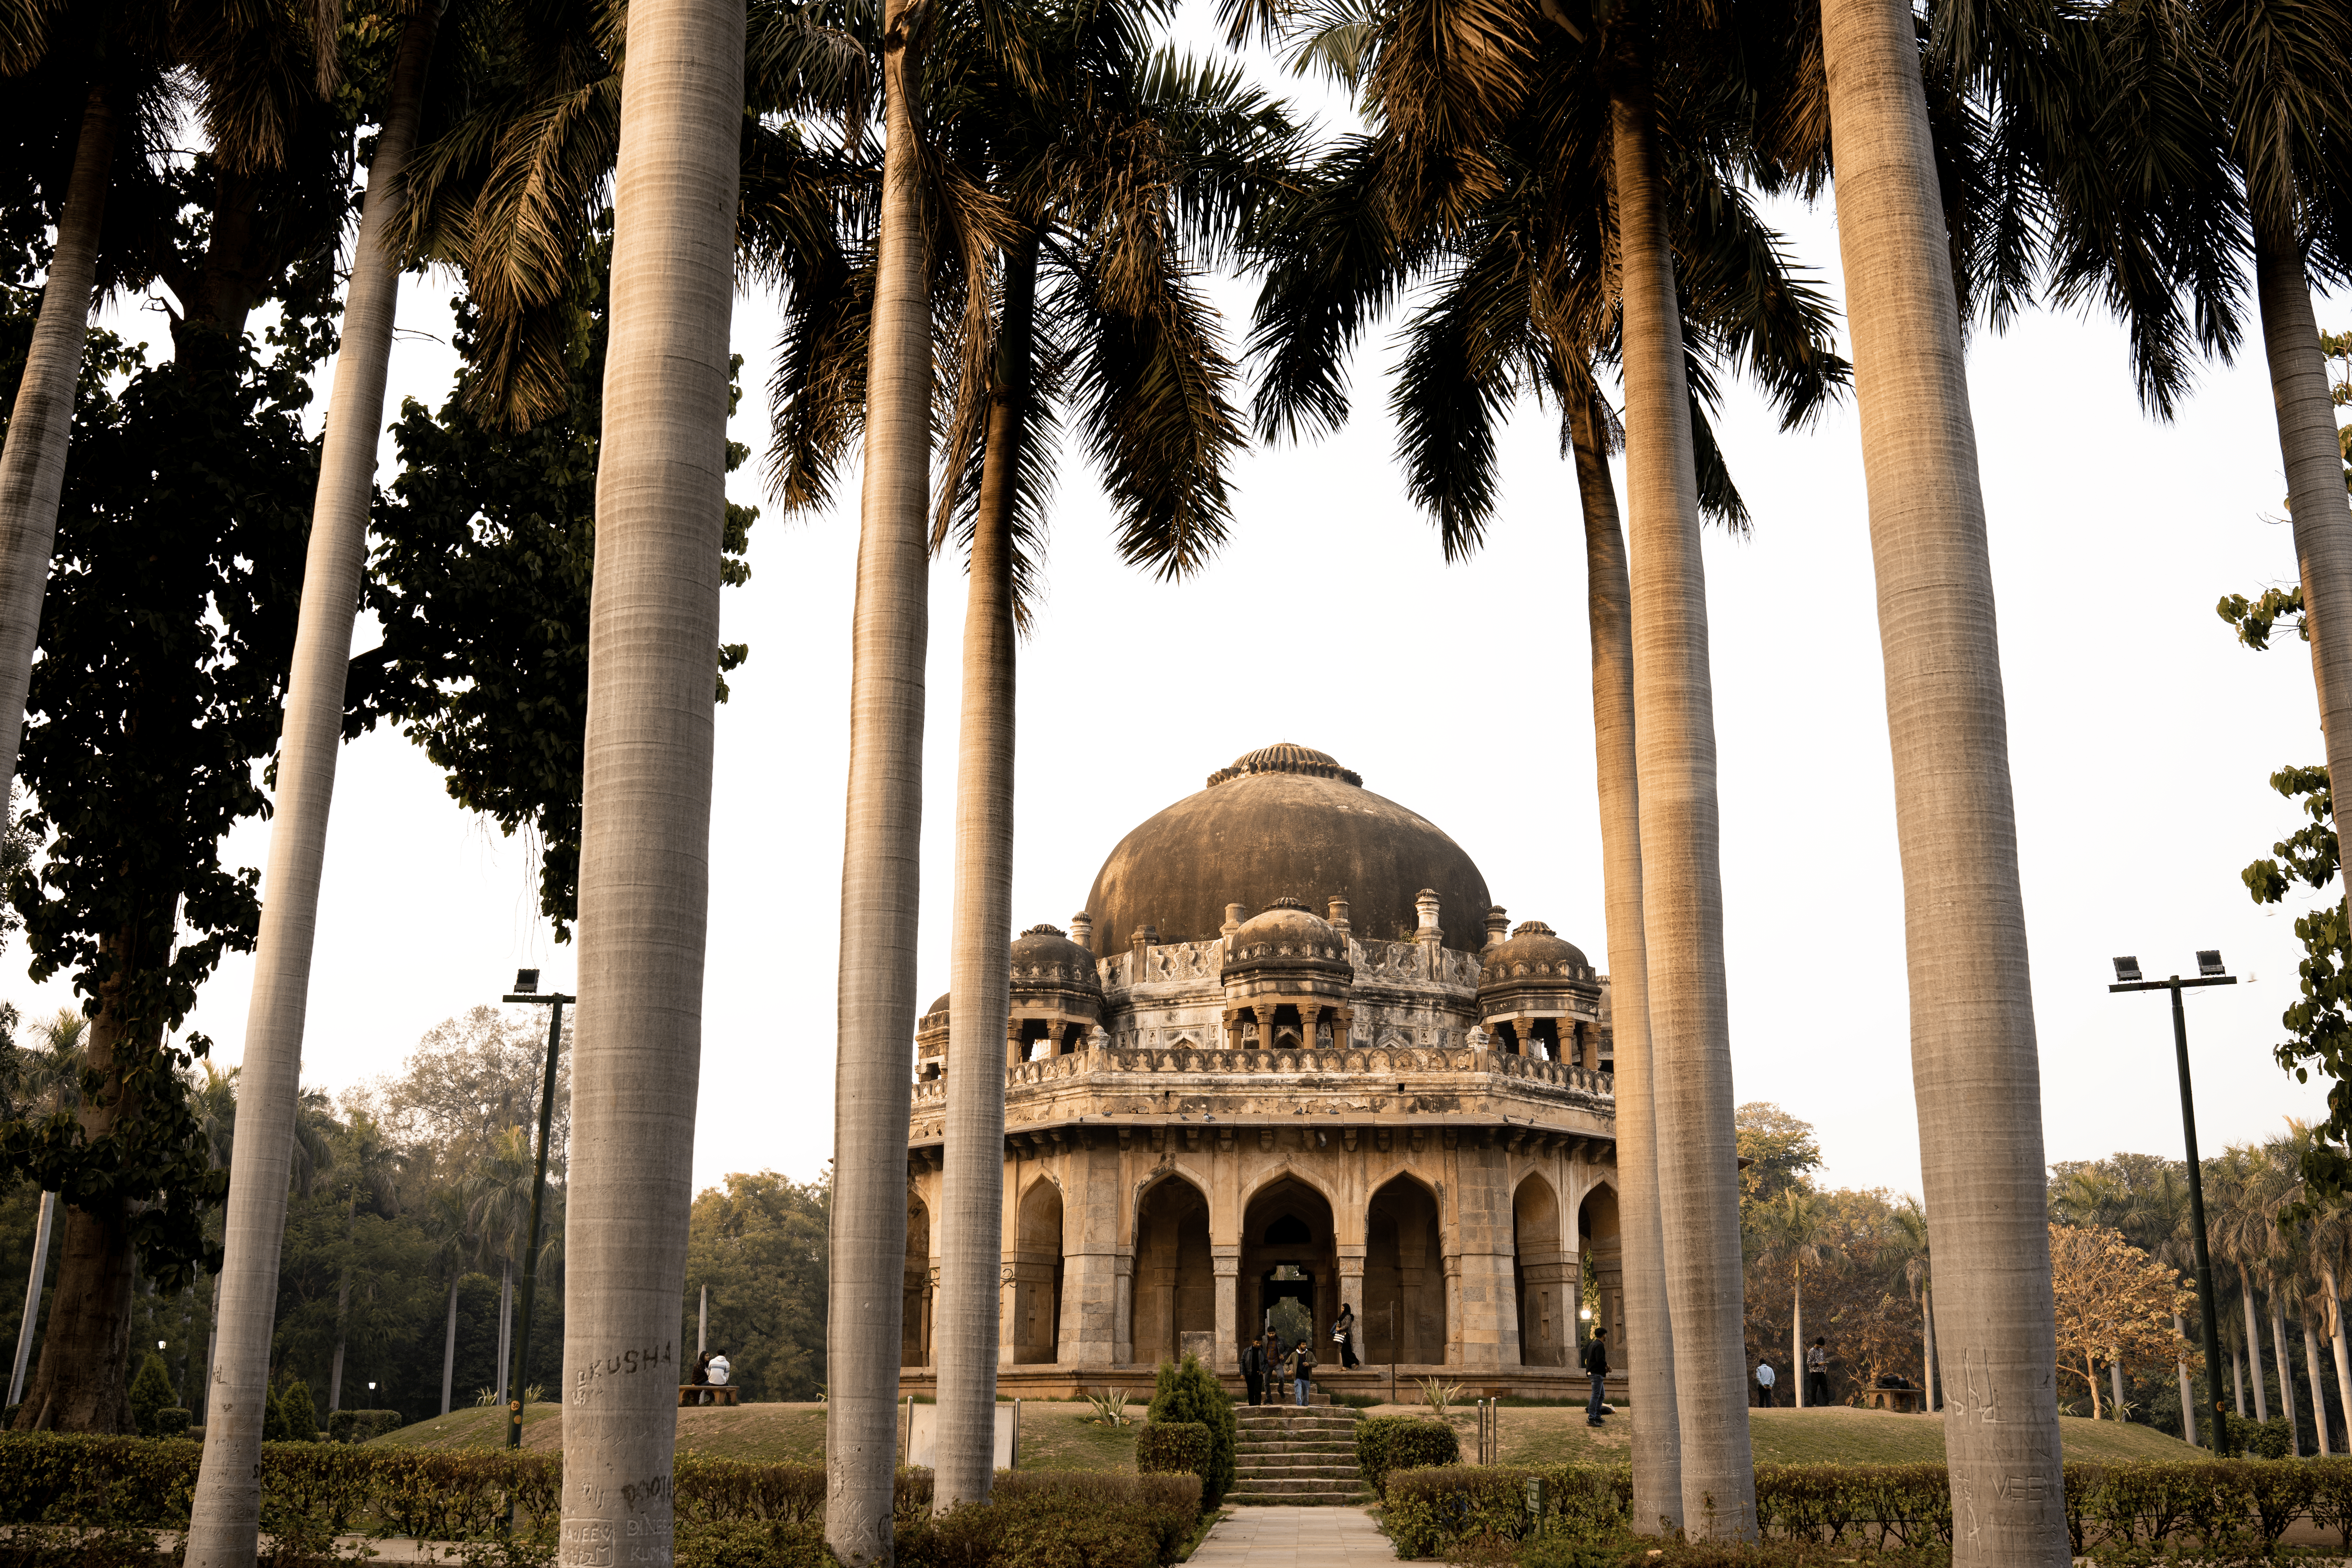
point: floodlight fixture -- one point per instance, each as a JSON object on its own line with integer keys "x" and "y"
{"x": 159, "y": 1344}
{"x": 526, "y": 981}
{"x": 2126, "y": 970}
{"x": 2209, "y": 961}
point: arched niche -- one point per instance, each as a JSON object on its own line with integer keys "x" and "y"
{"x": 1175, "y": 1291}
{"x": 1290, "y": 1251}
{"x": 915, "y": 1302}
{"x": 1544, "y": 1272}
{"x": 1598, "y": 1239}
{"x": 1404, "y": 1275}
{"x": 1035, "y": 1330}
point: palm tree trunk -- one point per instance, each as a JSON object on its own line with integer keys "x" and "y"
{"x": 335, "y": 1374}
{"x": 226, "y": 1515}
{"x": 971, "y": 1182}
{"x": 32, "y": 1318}
{"x": 1650, "y": 1349}
{"x": 505, "y": 1328}
{"x": 2343, "y": 1351}
{"x": 880, "y": 885}
{"x": 449, "y": 1347}
{"x": 644, "y": 841}
{"x": 2254, "y": 1356}
{"x": 2285, "y": 1374}
{"x": 2238, "y": 1380}
{"x": 1682, "y": 883}
{"x": 1928, "y": 1345}
{"x": 2318, "y": 1388}
{"x": 2116, "y": 1386}
{"x": 2315, "y": 480}
{"x": 1796, "y": 1338}
{"x": 1975, "y": 1069}
{"x": 2187, "y": 1387}
{"x": 40, "y": 424}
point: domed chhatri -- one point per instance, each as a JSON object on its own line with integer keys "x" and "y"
{"x": 1284, "y": 821}
{"x": 1372, "y": 1092}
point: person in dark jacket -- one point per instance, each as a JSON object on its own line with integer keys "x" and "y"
{"x": 1596, "y": 1362}
{"x": 1253, "y": 1369}
{"x": 1343, "y": 1334}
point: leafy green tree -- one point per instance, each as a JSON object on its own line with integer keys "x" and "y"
{"x": 1188, "y": 1391}
{"x": 761, "y": 1243}
{"x": 1781, "y": 1151}
{"x": 150, "y": 1390}
{"x": 481, "y": 578}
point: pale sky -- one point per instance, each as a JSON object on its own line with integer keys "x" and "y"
{"x": 2141, "y": 739}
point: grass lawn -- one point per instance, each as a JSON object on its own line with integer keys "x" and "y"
{"x": 1054, "y": 1435}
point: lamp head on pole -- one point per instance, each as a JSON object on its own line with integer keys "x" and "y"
{"x": 2126, "y": 970}
{"x": 526, "y": 981}
{"x": 2209, "y": 961}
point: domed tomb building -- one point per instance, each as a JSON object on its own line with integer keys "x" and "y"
{"x": 1289, "y": 1048}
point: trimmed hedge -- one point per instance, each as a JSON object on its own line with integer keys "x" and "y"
{"x": 1066, "y": 1519}
{"x": 1386, "y": 1443}
{"x": 2237, "y": 1505}
{"x": 173, "y": 1422}
{"x": 359, "y": 1426}
{"x": 1176, "y": 1448}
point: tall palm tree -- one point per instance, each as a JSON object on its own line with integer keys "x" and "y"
{"x": 48, "y": 1084}
{"x": 646, "y": 800}
{"x": 880, "y": 890}
{"x": 1909, "y": 1249}
{"x": 369, "y": 1172}
{"x": 500, "y": 1189}
{"x": 447, "y": 1223}
{"x": 1792, "y": 1225}
{"x": 247, "y": 1287}
{"x": 1975, "y": 1065}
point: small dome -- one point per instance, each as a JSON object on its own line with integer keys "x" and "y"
{"x": 1534, "y": 959}
{"x": 1043, "y": 958}
{"x": 1287, "y": 938}
{"x": 938, "y": 1006}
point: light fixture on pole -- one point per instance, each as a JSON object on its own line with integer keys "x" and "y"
{"x": 526, "y": 990}
{"x": 2210, "y": 972}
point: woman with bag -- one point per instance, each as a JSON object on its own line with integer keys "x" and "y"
{"x": 1343, "y": 1334}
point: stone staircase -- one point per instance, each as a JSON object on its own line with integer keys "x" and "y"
{"x": 1301, "y": 1457}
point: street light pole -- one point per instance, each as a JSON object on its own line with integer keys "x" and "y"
{"x": 527, "y": 991}
{"x": 2209, "y": 973}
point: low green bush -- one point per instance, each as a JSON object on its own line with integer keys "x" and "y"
{"x": 745, "y": 1543}
{"x": 149, "y": 1392}
{"x": 359, "y": 1426}
{"x": 300, "y": 1418}
{"x": 1069, "y": 1519}
{"x": 173, "y": 1422}
{"x": 1187, "y": 1391}
{"x": 1174, "y": 1447}
{"x": 1427, "y": 1510}
{"x": 1387, "y": 1443}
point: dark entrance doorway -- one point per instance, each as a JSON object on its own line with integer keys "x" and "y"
{"x": 1287, "y": 1249}
{"x": 1288, "y": 1292}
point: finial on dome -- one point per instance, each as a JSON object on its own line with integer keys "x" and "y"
{"x": 1082, "y": 929}
{"x": 1288, "y": 758}
{"x": 1498, "y": 925}
{"x": 1285, "y": 902}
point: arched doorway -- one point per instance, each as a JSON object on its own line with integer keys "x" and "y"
{"x": 1175, "y": 1280}
{"x": 1545, "y": 1273}
{"x": 1289, "y": 1253}
{"x": 1404, "y": 1276}
{"x": 915, "y": 1302}
{"x": 1604, "y": 1261}
{"x": 1035, "y": 1330}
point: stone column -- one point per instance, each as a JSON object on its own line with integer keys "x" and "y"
{"x": 1122, "y": 1312}
{"x": 1454, "y": 1326}
{"x": 1008, "y": 1310}
{"x": 1090, "y": 1257}
{"x": 1352, "y": 1292}
{"x": 1227, "y": 1260}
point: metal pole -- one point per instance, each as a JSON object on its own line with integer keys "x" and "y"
{"x": 32, "y": 1297}
{"x": 2211, "y": 1320}
{"x": 537, "y": 1192}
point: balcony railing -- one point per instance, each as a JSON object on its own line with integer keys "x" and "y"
{"x": 1383, "y": 1062}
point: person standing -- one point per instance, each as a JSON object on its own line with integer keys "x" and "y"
{"x": 1596, "y": 1362}
{"x": 1343, "y": 1334}
{"x": 1817, "y": 1372}
{"x": 1764, "y": 1378}
{"x": 1276, "y": 1364}
{"x": 1253, "y": 1369}
{"x": 1302, "y": 1367}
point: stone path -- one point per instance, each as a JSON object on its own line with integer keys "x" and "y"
{"x": 1292, "y": 1537}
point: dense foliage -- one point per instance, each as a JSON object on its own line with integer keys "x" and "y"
{"x": 1188, "y": 1391}
{"x": 1175, "y": 1448}
{"x": 1386, "y": 1443}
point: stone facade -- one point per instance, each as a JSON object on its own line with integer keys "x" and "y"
{"x": 1198, "y": 1128}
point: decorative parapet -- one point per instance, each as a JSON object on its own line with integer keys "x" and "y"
{"x": 1318, "y": 1064}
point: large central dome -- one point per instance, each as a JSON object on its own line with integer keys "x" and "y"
{"x": 1284, "y": 822}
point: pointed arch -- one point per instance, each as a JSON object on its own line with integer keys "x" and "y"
{"x": 915, "y": 1303}
{"x": 1404, "y": 1319}
{"x": 1175, "y": 1288}
{"x": 1036, "y": 1306}
{"x": 1544, "y": 1274}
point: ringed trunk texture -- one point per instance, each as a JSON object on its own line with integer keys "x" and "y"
{"x": 2343, "y": 1351}
{"x": 2254, "y": 1358}
{"x": 2314, "y": 481}
{"x": 2116, "y": 1387}
{"x": 2238, "y": 1380}
{"x": 880, "y": 882}
{"x": 644, "y": 860}
{"x": 225, "y": 1518}
{"x": 1650, "y": 1349}
{"x": 1974, "y": 1061}
{"x": 2318, "y": 1388}
{"x": 1682, "y": 884}
{"x": 40, "y": 423}
{"x": 971, "y": 1185}
{"x": 1929, "y": 1380}
{"x": 30, "y": 1322}
{"x": 2285, "y": 1374}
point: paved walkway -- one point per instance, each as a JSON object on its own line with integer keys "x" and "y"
{"x": 1295, "y": 1538}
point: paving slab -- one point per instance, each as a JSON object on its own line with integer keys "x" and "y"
{"x": 1281, "y": 1536}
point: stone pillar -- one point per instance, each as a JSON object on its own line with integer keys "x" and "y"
{"x": 1012, "y": 1042}
{"x": 1454, "y": 1340}
{"x": 1091, "y": 1257}
{"x": 1227, "y": 1261}
{"x": 1425, "y": 904}
{"x": 1008, "y": 1310}
{"x": 1483, "y": 1312}
{"x": 1122, "y": 1312}
{"x": 1352, "y": 1292}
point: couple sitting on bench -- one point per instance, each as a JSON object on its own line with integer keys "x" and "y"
{"x": 709, "y": 1384}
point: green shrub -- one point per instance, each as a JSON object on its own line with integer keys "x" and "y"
{"x": 743, "y": 1543}
{"x": 1387, "y": 1443}
{"x": 2270, "y": 1439}
{"x": 2331, "y": 1497}
{"x": 1069, "y": 1519}
{"x": 173, "y": 1422}
{"x": 1187, "y": 1391}
{"x": 1425, "y": 1510}
{"x": 1181, "y": 1447}
{"x": 149, "y": 1392}
{"x": 359, "y": 1426}
{"x": 301, "y": 1416}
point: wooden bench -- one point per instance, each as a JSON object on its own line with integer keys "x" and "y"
{"x": 1904, "y": 1401}
{"x": 719, "y": 1393}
